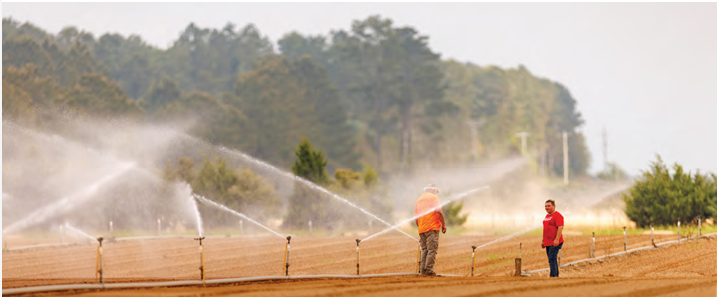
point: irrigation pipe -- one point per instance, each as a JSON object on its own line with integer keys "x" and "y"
{"x": 37, "y": 289}
{"x": 621, "y": 253}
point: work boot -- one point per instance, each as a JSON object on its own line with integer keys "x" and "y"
{"x": 430, "y": 273}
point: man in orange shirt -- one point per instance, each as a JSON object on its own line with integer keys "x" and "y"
{"x": 431, "y": 221}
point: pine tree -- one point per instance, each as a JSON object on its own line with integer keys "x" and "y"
{"x": 306, "y": 204}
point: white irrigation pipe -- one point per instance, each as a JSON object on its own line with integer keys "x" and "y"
{"x": 37, "y": 289}
{"x": 621, "y": 253}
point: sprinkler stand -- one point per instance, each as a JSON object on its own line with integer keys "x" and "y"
{"x": 699, "y": 226}
{"x": 473, "y": 259}
{"x": 418, "y": 259}
{"x": 98, "y": 265}
{"x": 653, "y": 244}
{"x": 201, "y": 255}
{"x": 625, "y": 240}
{"x": 679, "y": 229}
{"x": 310, "y": 229}
{"x": 286, "y": 256}
{"x": 593, "y": 244}
{"x": 358, "y": 261}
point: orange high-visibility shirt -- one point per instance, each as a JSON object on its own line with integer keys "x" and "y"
{"x": 430, "y": 221}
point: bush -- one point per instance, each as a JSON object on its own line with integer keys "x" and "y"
{"x": 662, "y": 198}
{"x": 451, "y": 213}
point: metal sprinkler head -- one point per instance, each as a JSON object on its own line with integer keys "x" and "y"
{"x": 200, "y": 239}
{"x": 289, "y": 238}
{"x": 473, "y": 248}
{"x": 358, "y": 240}
{"x": 100, "y": 239}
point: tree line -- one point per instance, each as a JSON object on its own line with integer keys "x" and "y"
{"x": 373, "y": 95}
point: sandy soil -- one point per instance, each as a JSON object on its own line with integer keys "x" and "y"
{"x": 684, "y": 269}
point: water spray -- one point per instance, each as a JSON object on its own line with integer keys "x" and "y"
{"x": 201, "y": 255}
{"x": 159, "y": 227}
{"x": 507, "y": 237}
{"x": 78, "y": 231}
{"x": 299, "y": 179}
{"x": 98, "y": 265}
{"x": 222, "y": 207}
{"x": 286, "y": 256}
{"x": 358, "y": 259}
{"x": 112, "y": 233}
{"x": 67, "y": 203}
{"x": 473, "y": 259}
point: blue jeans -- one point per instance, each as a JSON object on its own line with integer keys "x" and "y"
{"x": 552, "y": 253}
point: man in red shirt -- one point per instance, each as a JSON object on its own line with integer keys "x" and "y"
{"x": 429, "y": 225}
{"x": 552, "y": 235}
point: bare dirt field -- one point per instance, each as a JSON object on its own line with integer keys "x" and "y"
{"x": 681, "y": 269}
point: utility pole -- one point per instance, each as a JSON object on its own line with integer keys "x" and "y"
{"x": 523, "y": 136}
{"x": 605, "y": 148}
{"x": 475, "y": 125}
{"x": 565, "y": 157}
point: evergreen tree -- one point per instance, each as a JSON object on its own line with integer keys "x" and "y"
{"x": 660, "y": 197}
{"x": 306, "y": 204}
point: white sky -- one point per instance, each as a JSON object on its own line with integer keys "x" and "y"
{"x": 646, "y": 72}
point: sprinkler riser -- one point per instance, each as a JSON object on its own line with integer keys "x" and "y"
{"x": 358, "y": 258}
{"x": 473, "y": 259}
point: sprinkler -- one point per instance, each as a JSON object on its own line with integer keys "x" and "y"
{"x": 98, "y": 265}
{"x": 473, "y": 259}
{"x": 201, "y": 255}
{"x": 652, "y": 243}
{"x": 625, "y": 240}
{"x": 358, "y": 241}
{"x": 310, "y": 229}
{"x": 286, "y": 256}
{"x": 679, "y": 229}
{"x": 418, "y": 258}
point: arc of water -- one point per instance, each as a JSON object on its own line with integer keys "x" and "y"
{"x": 307, "y": 183}
{"x": 507, "y": 237}
{"x": 195, "y": 209}
{"x": 460, "y": 196}
{"x": 234, "y": 212}
{"x": 66, "y": 203}
{"x": 78, "y": 231}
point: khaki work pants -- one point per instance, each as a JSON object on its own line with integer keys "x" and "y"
{"x": 429, "y": 242}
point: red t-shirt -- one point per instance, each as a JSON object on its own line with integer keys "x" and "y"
{"x": 550, "y": 227}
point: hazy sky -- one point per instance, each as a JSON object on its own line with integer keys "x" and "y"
{"x": 646, "y": 72}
